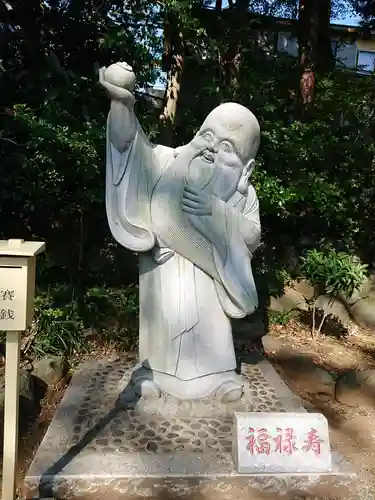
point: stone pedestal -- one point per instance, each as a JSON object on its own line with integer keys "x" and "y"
{"x": 104, "y": 442}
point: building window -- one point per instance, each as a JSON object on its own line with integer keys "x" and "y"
{"x": 366, "y": 61}
{"x": 334, "y": 47}
{"x": 286, "y": 42}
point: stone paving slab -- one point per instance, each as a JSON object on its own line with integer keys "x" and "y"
{"x": 104, "y": 442}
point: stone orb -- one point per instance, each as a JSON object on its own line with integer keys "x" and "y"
{"x": 120, "y": 74}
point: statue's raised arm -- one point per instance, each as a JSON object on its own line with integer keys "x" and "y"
{"x": 119, "y": 81}
{"x": 132, "y": 163}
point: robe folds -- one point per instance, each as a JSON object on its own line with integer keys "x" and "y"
{"x": 194, "y": 271}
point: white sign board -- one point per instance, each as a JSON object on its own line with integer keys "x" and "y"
{"x": 269, "y": 443}
{"x": 12, "y": 297}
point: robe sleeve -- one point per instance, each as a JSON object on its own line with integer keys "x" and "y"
{"x": 235, "y": 235}
{"x": 236, "y": 288}
{"x": 128, "y": 191}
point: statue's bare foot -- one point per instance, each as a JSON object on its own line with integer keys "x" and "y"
{"x": 229, "y": 392}
{"x": 147, "y": 389}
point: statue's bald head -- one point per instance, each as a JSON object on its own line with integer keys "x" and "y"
{"x": 223, "y": 151}
{"x": 239, "y": 125}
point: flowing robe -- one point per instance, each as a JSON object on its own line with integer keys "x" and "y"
{"x": 194, "y": 271}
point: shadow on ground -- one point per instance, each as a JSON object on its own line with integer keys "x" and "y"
{"x": 368, "y": 352}
{"x": 332, "y": 326}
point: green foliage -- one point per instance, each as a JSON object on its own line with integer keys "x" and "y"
{"x": 66, "y": 320}
{"x": 279, "y": 318}
{"x": 333, "y": 273}
{"x": 312, "y": 176}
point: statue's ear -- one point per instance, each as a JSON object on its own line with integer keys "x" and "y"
{"x": 248, "y": 168}
{"x": 246, "y": 173}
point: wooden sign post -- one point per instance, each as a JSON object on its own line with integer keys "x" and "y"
{"x": 17, "y": 290}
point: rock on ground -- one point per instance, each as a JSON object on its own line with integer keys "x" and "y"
{"x": 356, "y": 388}
{"x": 360, "y": 307}
{"x": 291, "y": 302}
{"x": 304, "y": 288}
{"x": 50, "y": 369}
{"x": 29, "y": 403}
{"x": 333, "y": 307}
{"x": 26, "y": 390}
{"x": 363, "y": 312}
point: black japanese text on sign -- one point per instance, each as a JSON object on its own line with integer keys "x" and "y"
{"x": 6, "y": 295}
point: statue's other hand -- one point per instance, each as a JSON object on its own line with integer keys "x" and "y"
{"x": 196, "y": 202}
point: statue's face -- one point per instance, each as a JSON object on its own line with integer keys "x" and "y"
{"x": 217, "y": 164}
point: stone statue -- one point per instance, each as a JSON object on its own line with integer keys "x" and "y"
{"x": 193, "y": 218}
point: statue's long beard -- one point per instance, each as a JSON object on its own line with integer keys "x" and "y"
{"x": 210, "y": 178}
{"x": 173, "y": 227}
{"x": 185, "y": 234}
{"x": 200, "y": 174}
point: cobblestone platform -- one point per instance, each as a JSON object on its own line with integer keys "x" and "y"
{"x": 104, "y": 442}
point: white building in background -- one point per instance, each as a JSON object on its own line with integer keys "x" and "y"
{"x": 352, "y": 51}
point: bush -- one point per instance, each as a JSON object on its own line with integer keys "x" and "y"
{"x": 65, "y": 319}
{"x": 332, "y": 273}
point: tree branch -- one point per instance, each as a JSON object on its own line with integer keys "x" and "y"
{"x": 11, "y": 141}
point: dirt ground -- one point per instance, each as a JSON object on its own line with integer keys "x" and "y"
{"x": 31, "y": 439}
{"x": 296, "y": 358}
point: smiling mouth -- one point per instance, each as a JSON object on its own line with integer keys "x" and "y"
{"x": 207, "y": 157}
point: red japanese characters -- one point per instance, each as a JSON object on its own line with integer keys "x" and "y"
{"x": 285, "y": 441}
{"x": 260, "y": 441}
{"x": 312, "y": 442}
{"x": 281, "y": 442}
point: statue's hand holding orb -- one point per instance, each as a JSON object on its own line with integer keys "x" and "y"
{"x": 119, "y": 81}
{"x": 120, "y": 74}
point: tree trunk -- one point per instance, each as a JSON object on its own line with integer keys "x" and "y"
{"x": 168, "y": 116}
{"x": 232, "y": 58}
{"x": 315, "y": 49}
{"x": 173, "y": 62}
